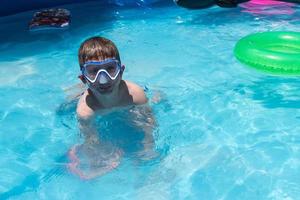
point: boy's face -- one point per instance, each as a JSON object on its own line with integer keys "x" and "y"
{"x": 103, "y": 75}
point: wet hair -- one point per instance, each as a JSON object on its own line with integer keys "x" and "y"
{"x": 97, "y": 48}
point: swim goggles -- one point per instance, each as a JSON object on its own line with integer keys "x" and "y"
{"x": 109, "y": 68}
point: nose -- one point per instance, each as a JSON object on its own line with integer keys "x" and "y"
{"x": 103, "y": 79}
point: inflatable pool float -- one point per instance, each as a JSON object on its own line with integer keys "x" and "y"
{"x": 57, "y": 18}
{"x": 275, "y": 52}
{"x": 266, "y": 2}
{"x": 268, "y": 7}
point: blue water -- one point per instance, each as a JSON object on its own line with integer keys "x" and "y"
{"x": 225, "y": 131}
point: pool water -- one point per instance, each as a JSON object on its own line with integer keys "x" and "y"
{"x": 224, "y": 131}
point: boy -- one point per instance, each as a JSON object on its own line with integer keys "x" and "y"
{"x": 102, "y": 72}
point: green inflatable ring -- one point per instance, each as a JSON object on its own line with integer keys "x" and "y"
{"x": 275, "y": 52}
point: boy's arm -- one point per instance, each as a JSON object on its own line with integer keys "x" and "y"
{"x": 85, "y": 117}
{"x": 88, "y": 130}
{"x": 92, "y": 146}
{"x": 148, "y": 128}
{"x": 137, "y": 93}
{"x": 144, "y": 119}
{"x": 94, "y": 150}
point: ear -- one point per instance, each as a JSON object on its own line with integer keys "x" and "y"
{"x": 122, "y": 70}
{"x": 81, "y": 77}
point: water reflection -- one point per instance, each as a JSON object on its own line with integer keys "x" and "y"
{"x": 274, "y": 92}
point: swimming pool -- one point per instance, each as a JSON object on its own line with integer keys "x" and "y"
{"x": 225, "y": 131}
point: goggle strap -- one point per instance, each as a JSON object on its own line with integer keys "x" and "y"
{"x": 101, "y": 62}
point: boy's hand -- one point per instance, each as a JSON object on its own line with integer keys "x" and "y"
{"x": 93, "y": 160}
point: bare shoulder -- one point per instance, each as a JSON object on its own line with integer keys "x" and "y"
{"x": 83, "y": 110}
{"x": 137, "y": 93}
